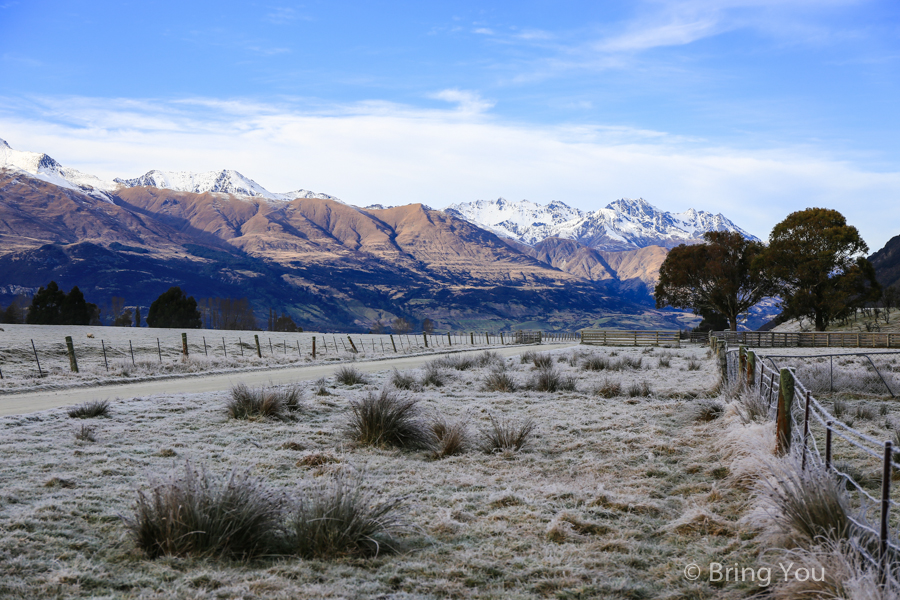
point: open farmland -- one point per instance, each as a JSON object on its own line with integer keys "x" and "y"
{"x": 611, "y": 497}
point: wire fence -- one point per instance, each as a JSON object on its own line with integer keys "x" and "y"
{"x": 816, "y": 432}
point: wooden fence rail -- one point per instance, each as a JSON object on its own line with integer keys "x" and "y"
{"x": 809, "y": 339}
{"x": 620, "y": 337}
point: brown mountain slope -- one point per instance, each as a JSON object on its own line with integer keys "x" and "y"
{"x": 887, "y": 263}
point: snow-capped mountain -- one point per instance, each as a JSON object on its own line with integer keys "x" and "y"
{"x": 43, "y": 167}
{"x": 625, "y": 224}
{"x": 225, "y": 181}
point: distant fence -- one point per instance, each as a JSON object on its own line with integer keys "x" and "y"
{"x": 809, "y": 339}
{"x": 802, "y": 421}
{"x": 621, "y": 337}
{"x": 115, "y": 349}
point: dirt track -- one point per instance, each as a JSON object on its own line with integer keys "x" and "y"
{"x": 17, "y": 404}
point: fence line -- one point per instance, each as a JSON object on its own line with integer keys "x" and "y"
{"x": 623, "y": 337}
{"x": 25, "y": 359}
{"x": 750, "y": 370}
{"x": 809, "y": 339}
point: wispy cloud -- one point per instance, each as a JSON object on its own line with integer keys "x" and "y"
{"x": 378, "y": 152}
{"x": 466, "y": 101}
{"x": 283, "y": 15}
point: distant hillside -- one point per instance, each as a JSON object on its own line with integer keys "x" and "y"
{"x": 887, "y": 263}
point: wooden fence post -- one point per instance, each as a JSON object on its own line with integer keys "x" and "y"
{"x": 751, "y": 368}
{"x": 184, "y": 348}
{"x": 70, "y": 349}
{"x": 352, "y": 345}
{"x": 425, "y": 337}
{"x": 783, "y": 416}
{"x": 314, "y": 347}
{"x": 449, "y": 339}
{"x": 393, "y": 343}
{"x": 471, "y": 339}
{"x": 41, "y": 371}
{"x": 258, "y": 349}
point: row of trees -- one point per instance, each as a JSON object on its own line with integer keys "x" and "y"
{"x": 814, "y": 263}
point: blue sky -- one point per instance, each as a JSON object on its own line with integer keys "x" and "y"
{"x": 751, "y": 108}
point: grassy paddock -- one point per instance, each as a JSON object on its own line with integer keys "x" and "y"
{"x": 610, "y": 497}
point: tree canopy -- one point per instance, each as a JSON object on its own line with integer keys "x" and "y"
{"x": 175, "y": 310}
{"x": 714, "y": 277}
{"x": 52, "y": 306}
{"x": 817, "y": 261}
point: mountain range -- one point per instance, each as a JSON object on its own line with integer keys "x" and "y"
{"x": 481, "y": 265}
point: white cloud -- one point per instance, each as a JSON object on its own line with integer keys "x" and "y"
{"x": 385, "y": 153}
{"x": 467, "y": 101}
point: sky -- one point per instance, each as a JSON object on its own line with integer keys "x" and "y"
{"x": 751, "y": 108}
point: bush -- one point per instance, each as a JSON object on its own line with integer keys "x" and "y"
{"x": 90, "y": 410}
{"x": 450, "y": 439}
{"x": 506, "y": 435}
{"x": 609, "y": 389}
{"x": 499, "y": 382}
{"x": 349, "y": 376}
{"x": 200, "y": 515}
{"x": 403, "y": 381}
{"x": 262, "y": 403}
{"x": 340, "y": 518}
{"x": 387, "y": 420}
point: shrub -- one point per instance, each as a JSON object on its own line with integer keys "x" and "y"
{"x": 433, "y": 375}
{"x": 403, "y": 381}
{"x": 542, "y": 361}
{"x": 90, "y": 410}
{"x": 260, "y": 403}
{"x": 506, "y": 435}
{"x": 349, "y": 376}
{"x": 340, "y": 518}
{"x": 450, "y": 439}
{"x": 609, "y": 389}
{"x": 546, "y": 380}
{"x": 196, "y": 514}
{"x": 707, "y": 410}
{"x": 595, "y": 363}
{"x": 636, "y": 390}
{"x": 811, "y": 504}
{"x": 499, "y": 381}
{"x": 387, "y": 420}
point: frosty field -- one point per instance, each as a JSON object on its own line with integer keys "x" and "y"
{"x": 611, "y": 498}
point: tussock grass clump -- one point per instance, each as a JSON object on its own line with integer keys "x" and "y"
{"x": 608, "y": 389}
{"x": 403, "y": 381}
{"x": 639, "y": 390}
{"x": 751, "y": 407}
{"x": 434, "y": 375}
{"x": 321, "y": 387}
{"x": 201, "y": 515}
{"x": 387, "y": 420}
{"x": 694, "y": 365}
{"x": 706, "y": 411}
{"x": 864, "y": 411}
{"x": 262, "y": 403}
{"x": 595, "y": 363}
{"x": 811, "y": 505}
{"x": 568, "y": 384}
{"x": 340, "y": 518}
{"x": 542, "y": 361}
{"x": 450, "y": 438}
{"x": 546, "y": 380}
{"x": 665, "y": 362}
{"x": 499, "y": 381}
{"x": 90, "y": 410}
{"x": 488, "y": 358}
{"x": 506, "y": 435}
{"x": 839, "y": 408}
{"x": 86, "y": 433}
{"x": 527, "y": 357}
{"x": 458, "y": 362}
{"x": 349, "y": 376}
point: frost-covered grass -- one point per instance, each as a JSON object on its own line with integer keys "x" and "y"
{"x": 610, "y": 497}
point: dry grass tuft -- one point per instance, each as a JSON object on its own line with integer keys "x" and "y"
{"x": 434, "y": 376}
{"x": 499, "y": 381}
{"x": 317, "y": 459}
{"x": 387, "y": 420}
{"x": 261, "y": 403}
{"x": 608, "y": 389}
{"x": 546, "y": 380}
{"x": 200, "y": 515}
{"x": 348, "y": 375}
{"x": 751, "y": 407}
{"x": 639, "y": 389}
{"x": 506, "y": 435}
{"x": 339, "y": 518}
{"x": 86, "y": 433}
{"x": 705, "y": 411}
{"x": 403, "y": 381}
{"x": 542, "y": 361}
{"x": 90, "y": 410}
{"x": 694, "y": 365}
{"x": 450, "y": 438}
{"x": 321, "y": 387}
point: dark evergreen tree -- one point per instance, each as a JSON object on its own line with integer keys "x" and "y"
{"x": 175, "y": 310}
{"x": 46, "y": 305}
{"x": 75, "y": 310}
{"x": 137, "y": 316}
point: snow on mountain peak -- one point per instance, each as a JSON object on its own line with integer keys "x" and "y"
{"x": 43, "y": 167}
{"x": 624, "y": 224}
